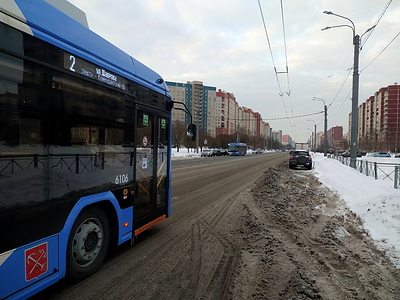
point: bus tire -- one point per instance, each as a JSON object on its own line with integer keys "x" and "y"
{"x": 87, "y": 243}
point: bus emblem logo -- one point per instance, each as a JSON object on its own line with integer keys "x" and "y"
{"x": 35, "y": 261}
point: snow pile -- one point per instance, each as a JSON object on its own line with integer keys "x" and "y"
{"x": 376, "y": 202}
{"x": 184, "y": 152}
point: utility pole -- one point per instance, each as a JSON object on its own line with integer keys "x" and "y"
{"x": 354, "y": 106}
{"x": 356, "y": 75}
{"x": 325, "y": 126}
{"x": 270, "y": 137}
{"x": 315, "y": 135}
{"x": 326, "y": 131}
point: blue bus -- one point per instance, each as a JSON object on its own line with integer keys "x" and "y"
{"x": 237, "y": 149}
{"x": 85, "y": 147}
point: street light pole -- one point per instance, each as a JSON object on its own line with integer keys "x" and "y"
{"x": 270, "y": 136}
{"x": 325, "y": 126}
{"x": 354, "y": 105}
{"x": 315, "y": 135}
{"x": 354, "y": 99}
{"x": 326, "y": 130}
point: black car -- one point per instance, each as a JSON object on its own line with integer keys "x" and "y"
{"x": 300, "y": 158}
{"x": 215, "y": 152}
{"x": 224, "y": 152}
{"x": 347, "y": 154}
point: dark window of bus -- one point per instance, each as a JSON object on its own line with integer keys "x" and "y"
{"x": 162, "y": 176}
{"x": 144, "y": 164}
{"x": 24, "y": 155}
{"x": 94, "y": 128}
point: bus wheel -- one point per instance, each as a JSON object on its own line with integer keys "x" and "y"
{"x": 87, "y": 243}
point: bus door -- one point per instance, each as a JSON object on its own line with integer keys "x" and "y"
{"x": 151, "y": 168}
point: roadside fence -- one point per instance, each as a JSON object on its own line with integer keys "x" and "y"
{"x": 378, "y": 170}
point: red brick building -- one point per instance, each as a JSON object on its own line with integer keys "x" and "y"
{"x": 378, "y": 121}
{"x": 335, "y": 136}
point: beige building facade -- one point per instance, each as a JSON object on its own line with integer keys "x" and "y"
{"x": 217, "y": 112}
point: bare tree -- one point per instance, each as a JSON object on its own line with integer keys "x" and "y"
{"x": 178, "y": 134}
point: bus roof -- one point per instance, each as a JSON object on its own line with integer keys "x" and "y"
{"x": 51, "y": 25}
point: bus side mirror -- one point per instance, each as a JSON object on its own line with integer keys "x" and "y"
{"x": 191, "y": 132}
{"x": 169, "y": 105}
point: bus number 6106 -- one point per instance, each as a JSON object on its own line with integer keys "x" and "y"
{"x": 121, "y": 179}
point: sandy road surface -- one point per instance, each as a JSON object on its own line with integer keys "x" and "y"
{"x": 239, "y": 233}
{"x": 301, "y": 242}
{"x": 192, "y": 254}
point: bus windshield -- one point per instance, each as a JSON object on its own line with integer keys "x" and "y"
{"x": 237, "y": 149}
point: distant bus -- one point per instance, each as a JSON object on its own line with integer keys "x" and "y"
{"x": 237, "y": 149}
{"x": 85, "y": 147}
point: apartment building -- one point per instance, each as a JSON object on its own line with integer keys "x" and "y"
{"x": 181, "y": 92}
{"x": 200, "y": 100}
{"x": 217, "y": 112}
{"x": 229, "y": 113}
{"x": 378, "y": 120}
{"x": 335, "y": 137}
{"x": 276, "y": 139}
{"x": 287, "y": 140}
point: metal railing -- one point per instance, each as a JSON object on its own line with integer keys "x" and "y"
{"x": 75, "y": 163}
{"x": 378, "y": 170}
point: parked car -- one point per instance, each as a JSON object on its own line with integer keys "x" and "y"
{"x": 224, "y": 152}
{"x": 300, "y": 158}
{"x": 347, "y": 154}
{"x": 215, "y": 152}
{"x": 380, "y": 154}
{"x": 205, "y": 153}
{"x": 257, "y": 151}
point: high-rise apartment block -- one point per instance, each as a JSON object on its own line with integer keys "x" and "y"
{"x": 287, "y": 140}
{"x": 217, "y": 112}
{"x": 335, "y": 138}
{"x": 378, "y": 121}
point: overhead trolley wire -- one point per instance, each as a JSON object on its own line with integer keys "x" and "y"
{"x": 278, "y": 118}
{"x": 380, "y": 52}
{"x": 373, "y": 28}
{"x": 285, "y": 47}
{"x": 269, "y": 45}
{"x": 281, "y": 94}
{"x": 287, "y": 68}
{"x": 376, "y": 23}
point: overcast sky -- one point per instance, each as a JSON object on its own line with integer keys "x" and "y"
{"x": 224, "y": 44}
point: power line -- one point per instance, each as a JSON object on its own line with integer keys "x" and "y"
{"x": 380, "y": 52}
{"x": 343, "y": 82}
{"x": 376, "y": 23}
{"x": 287, "y": 69}
{"x": 281, "y": 94}
{"x": 269, "y": 44}
{"x": 295, "y": 117}
{"x": 270, "y": 119}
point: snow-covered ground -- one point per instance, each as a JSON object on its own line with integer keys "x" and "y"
{"x": 376, "y": 202}
{"x": 184, "y": 152}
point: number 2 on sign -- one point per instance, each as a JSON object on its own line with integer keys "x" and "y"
{"x": 73, "y": 59}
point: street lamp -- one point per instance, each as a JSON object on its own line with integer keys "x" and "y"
{"x": 315, "y": 135}
{"x": 325, "y": 125}
{"x": 311, "y": 138}
{"x": 270, "y": 136}
{"x": 354, "y": 99}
